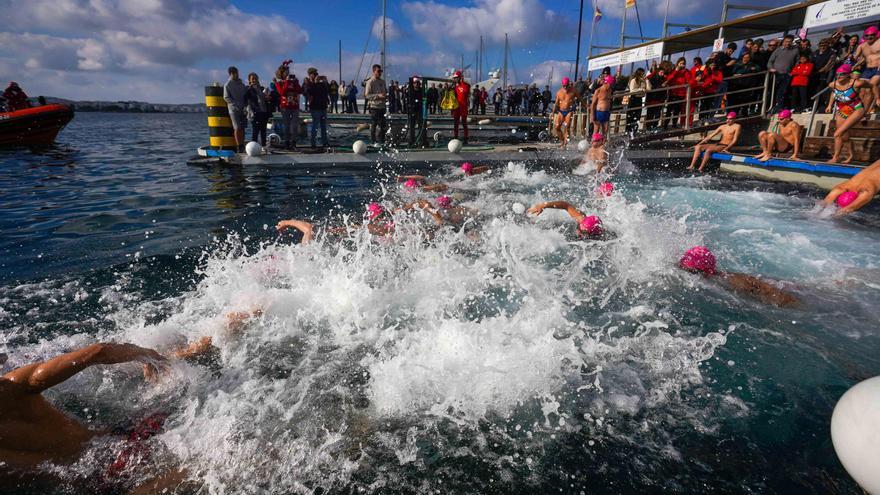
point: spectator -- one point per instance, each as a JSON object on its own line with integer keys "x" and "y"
{"x": 433, "y": 97}
{"x": 848, "y": 53}
{"x": 484, "y": 97}
{"x": 475, "y": 101}
{"x": 234, "y": 93}
{"x": 334, "y": 97}
{"x": 317, "y": 93}
{"x": 289, "y": 91}
{"x": 678, "y": 80}
{"x": 638, "y": 88}
{"x": 725, "y": 63}
{"x": 257, "y": 98}
{"x": 781, "y": 61}
{"x": 352, "y": 93}
{"x": 713, "y": 78}
{"x": 697, "y": 67}
{"x": 546, "y": 96}
{"x": 737, "y": 96}
{"x": 759, "y": 55}
{"x": 16, "y": 99}
{"x": 510, "y": 97}
{"x": 747, "y": 48}
{"x": 655, "y": 99}
{"x": 393, "y": 98}
{"x": 497, "y": 100}
{"x": 800, "y": 80}
{"x": 824, "y": 60}
{"x": 459, "y": 115}
{"x": 376, "y": 94}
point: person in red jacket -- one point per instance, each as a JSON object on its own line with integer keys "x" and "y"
{"x": 712, "y": 78}
{"x": 682, "y": 78}
{"x": 800, "y": 79}
{"x": 462, "y": 94}
{"x": 289, "y": 90}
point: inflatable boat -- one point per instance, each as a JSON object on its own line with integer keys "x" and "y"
{"x": 33, "y": 126}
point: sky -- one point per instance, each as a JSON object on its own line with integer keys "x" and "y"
{"x": 165, "y": 51}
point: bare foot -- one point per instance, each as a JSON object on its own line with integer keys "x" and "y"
{"x": 762, "y": 156}
{"x": 691, "y": 168}
{"x": 765, "y": 158}
{"x": 848, "y": 159}
{"x": 834, "y": 159}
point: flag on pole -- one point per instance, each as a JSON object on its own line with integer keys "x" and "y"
{"x": 597, "y": 15}
{"x": 630, "y": 3}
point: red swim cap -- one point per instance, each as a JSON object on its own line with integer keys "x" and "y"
{"x": 698, "y": 259}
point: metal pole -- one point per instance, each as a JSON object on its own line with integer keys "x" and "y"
{"x": 590, "y": 49}
{"x": 623, "y": 26}
{"x": 577, "y": 57}
{"x": 383, "y": 40}
{"x": 504, "y": 71}
{"x": 665, "y": 20}
{"x": 641, "y": 34}
{"x": 687, "y": 109}
{"x": 723, "y": 20}
{"x": 480, "y": 75}
{"x": 764, "y": 100}
{"x": 340, "y": 61}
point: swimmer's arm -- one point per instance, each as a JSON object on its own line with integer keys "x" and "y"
{"x": 424, "y": 206}
{"x": 404, "y": 178}
{"x": 864, "y": 198}
{"x": 759, "y": 289}
{"x": 480, "y": 170}
{"x": 710, "y": 136}
{"x": 557, "y": 205}
{"x": 38, "y": 377}
{"x": 306, "y": 228}
{"x": 830, "y": 100}
{"x": 435, "y": 187}
{"x": 797, "y": 143}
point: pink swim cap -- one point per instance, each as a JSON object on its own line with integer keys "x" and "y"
{"x": 844, "y": 69}
{"x": 411, "y": 184}
{"x": 466, "y": 167}
{"x": 591, "y": 225}
{"x": 609, "y": 79}
{"x": 605, "y": 189}
{"x": 597, "y": 137}
{"x": 374, "y": 210}
{"x": 565, "y": 81}
{"x": 785, "y": 114}
{"x": 847, "y": 198}
{"x": 698, "y": 259}
{"x": 872, "y": 30}
{"x": 444, "y": 201}
{"x": 731, "y": 115}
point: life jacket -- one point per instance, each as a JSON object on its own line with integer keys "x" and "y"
{"x": 462, "y": 93}
{"x": 449, "y": 101}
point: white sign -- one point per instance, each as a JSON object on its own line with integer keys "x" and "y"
{"x": 718, "y": 45}
{"x": 647, "y": 52}
{"x": 835, "y": 11}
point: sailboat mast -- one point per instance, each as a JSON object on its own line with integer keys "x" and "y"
{"x": 384, "y": 68}
{"x": 504, "y": 71}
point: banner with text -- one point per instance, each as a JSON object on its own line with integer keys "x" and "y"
{"x": 638, "y": 54}
{"x": 837, "y": 11}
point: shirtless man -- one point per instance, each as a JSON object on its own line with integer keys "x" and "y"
{"x": 865, "y": 184}
{"x": 869, "y": 54}
{"x": 562, "y": 109}
{"x": 700, "y": 260}
{"x": 596, "y": 154}
{"x": 600, "y": 106}
{"x": 32, "y": 430}
{"x": 589, "y": 226}
{"x": 788, "y": 138}
{"x": 729, "y": 135}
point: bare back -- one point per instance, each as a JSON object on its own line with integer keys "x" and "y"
{"x": 603, "y": 98}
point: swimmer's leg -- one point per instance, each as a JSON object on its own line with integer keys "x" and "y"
{"x": 697, "y": 149}
{"x": 762, "y": 140}
{"x": 707, "y": 155}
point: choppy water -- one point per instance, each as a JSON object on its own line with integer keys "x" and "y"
{"x": 506, "y": 357}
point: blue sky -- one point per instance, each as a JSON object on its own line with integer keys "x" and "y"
{"x": 164, "y": 51}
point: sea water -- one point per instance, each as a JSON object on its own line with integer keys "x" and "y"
{"x": 503, "y": 356}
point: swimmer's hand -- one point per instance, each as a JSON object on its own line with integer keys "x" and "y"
{"x": 536, "y": 210}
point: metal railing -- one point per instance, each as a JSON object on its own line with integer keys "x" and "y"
{"x": 815, "y": 99}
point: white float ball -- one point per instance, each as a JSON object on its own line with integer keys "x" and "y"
{"x": 485, "y": 121}
{"x": 359, "y": 147}
{"x": 252, "y": 148}
{"x": 519, "y": 208}
{"x": 855, "y": 433}
{"x": 454, "y": 146}
{"x": 583, "y": 144}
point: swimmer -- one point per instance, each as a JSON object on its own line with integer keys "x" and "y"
{"x": 563, "y": 108}
{"x": 857, "y": 192}
{"x": 700, "y": 260}
{"x": 589, "y": 226}
{"x": 379, "y": 223}
{"x": 596, "y": 154}
{"x": 419, "y": 181}
{"x": 33, "y": 431}
{"x": 470, "y": 170}
{"x": 788, "y": 138}
{"x": 600, "y": 106}
{"x": 729, "y": 135}
{"x": 849, "y": 110}
{"x": 868, "y": 53}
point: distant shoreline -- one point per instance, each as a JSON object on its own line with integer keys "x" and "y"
{"x": 125, "y": 106}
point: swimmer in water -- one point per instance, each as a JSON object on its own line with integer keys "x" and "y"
{"x": 33, "y": 431}
{"x": 563, "y": 109}
{"x": 700, "y": 260}
{"x": 420, "y": 182}
{"x": 857, "y": 192}
{"x": 444, "y": 211}
{"x": 596, "y": 154}
{"x": 589, "y": 226}
{"x": 729, "y": 135}
{"x": 470, "y": 170}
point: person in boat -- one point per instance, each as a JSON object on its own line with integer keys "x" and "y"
{"x": 856, "y": 192}
{"x": 729, "y": 132}
{"x": 33, "y": 431}
{"x": 588, "y": 226}
{"x": 787, "y": 139}
{"x": 700, "y": 260}
{"x": 849, "y": 109}
{"x": 563, "y": 109}
{"x": 15, "y": 97}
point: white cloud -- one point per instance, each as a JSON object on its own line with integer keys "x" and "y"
{"x": 526, "y": 22}
{"x": 393, "y": 30}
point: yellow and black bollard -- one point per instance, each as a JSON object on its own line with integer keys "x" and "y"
{"x": 219, "y": 125}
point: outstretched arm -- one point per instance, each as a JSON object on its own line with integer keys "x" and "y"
{"x": 558, "y": 205}
{"x": 424, "y": 206}
{"x": 38, "y": 377}
{"x": 301, "y": 225}
{"x": 404, "y": 178}
{"x": 865, "y": 197}
{"x": 480, "y": 170}
{"x": 710, "y": 136}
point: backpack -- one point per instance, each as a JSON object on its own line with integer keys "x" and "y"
{"x": 450, "y": 102}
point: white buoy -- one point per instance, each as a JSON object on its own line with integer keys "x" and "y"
{"x": 485, "y": 121}
{"x": 583, "y": 144}
{"x": 438, "y": 136}
{"x": 855, "y": 433}
{"x": 359, "y": 147}
{"x": 253, "y": 148}
{"x": 454, "y": 146}
{"x": 519, "y": 208}
{"x": 274, "y": 139}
